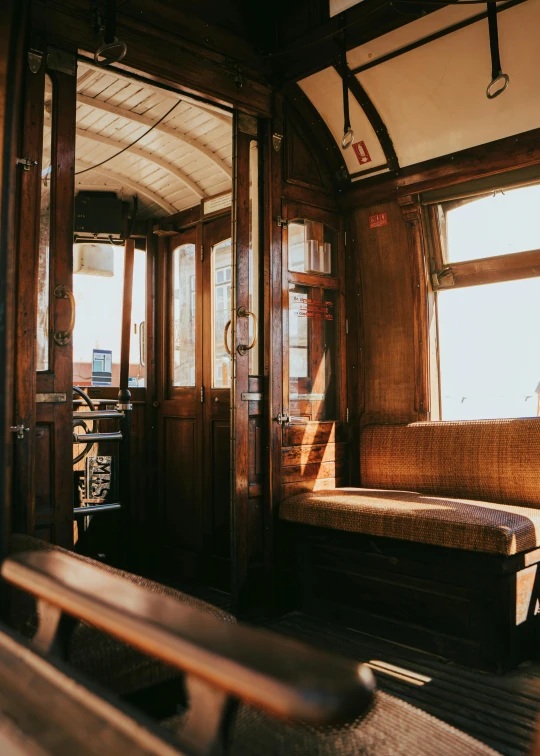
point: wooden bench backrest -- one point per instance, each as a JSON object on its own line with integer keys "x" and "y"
{"x": 282, "y": 676}
{"x": 488, "y": 460}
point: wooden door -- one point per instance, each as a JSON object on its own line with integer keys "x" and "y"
{"x": 43, "y": 480}
{"x": 194, "y": 403}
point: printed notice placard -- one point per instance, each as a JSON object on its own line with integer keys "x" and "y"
{"x": 376, "y": 221}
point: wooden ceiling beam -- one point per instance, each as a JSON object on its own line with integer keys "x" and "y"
{"x": 178, "y": 173}
{"x": 163, "y": 128}
{"x": 124, "y": 181}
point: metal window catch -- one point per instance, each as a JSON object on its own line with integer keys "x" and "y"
{"x": 26, "y": 163}
{"x": 20, "y": 430}
{"x": 282, "y": 221}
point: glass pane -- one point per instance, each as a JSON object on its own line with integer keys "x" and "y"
{"x": 184, "y": 314}
{"x": 221, "y": 299}
{"x": 137, "y": 351}
{"x": 254, "y": 267}
{"x": 312, "y": 356}
{"x": 503, "y": 223}
{"x": 489, "y": 355}
{"x": 312, "y": 247}
{"x": 42, "y": 340}
{"x": 98, "y": 286}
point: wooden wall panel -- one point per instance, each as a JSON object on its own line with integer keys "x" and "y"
{"x": 221, "y": 515}
{"x": 44, "y": 468}
{"x": 180, "y": 471}
{"x": 388, "y": 312}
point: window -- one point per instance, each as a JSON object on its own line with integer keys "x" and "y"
{"x": 183, "y": 315}
{"x": 488, "y": 304}
{"x": 42, "y": 334}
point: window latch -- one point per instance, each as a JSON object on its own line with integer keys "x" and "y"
{"x": 26, "y": 163}
{"x": 282, "y": 221}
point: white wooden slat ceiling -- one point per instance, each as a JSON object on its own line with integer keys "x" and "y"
{"x": 185, "y": 158}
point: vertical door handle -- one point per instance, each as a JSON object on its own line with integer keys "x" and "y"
{"x": 64, "y": 337}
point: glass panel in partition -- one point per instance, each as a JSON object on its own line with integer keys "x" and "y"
{"x": 43, "y": 293}
{"x": 312, "y": 353}
{"x": 184, "y": 312}
{"x": 98, "y": 286}
{"x": 137, "y": 349}
{"x": 254, "y": 259}
{"x": 312, "y": 247}
{"x": 221, "y": 312}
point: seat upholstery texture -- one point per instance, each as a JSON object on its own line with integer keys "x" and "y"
{"x": 454, "y": 523}
{"x": 101, "y": 657}
{"x": 487, "y": 460}
{"x": 391, "y": 728}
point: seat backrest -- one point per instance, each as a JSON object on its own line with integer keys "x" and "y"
{"x": 488, "y": 460}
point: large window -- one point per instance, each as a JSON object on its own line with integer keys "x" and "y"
{"x": 488, "y": 304}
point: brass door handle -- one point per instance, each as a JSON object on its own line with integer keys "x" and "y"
{"x": 225, "y": 331}
{"x": 64, "y": 337}
{"x": 243, "y": 313}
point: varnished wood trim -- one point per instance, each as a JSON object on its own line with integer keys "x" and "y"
{"x": 492, "y": 269}
{"x": 314, "y": 471}
{"x": 489, "y": 159}
{"x": 312, "y": 433}
{"x": 305, "y": 455}
{"x": 127, "y": 297}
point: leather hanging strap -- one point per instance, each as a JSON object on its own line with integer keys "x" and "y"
{"x": 348, "y": 134}
{"x": 110, "y": 22}
{"x": 497, "y": 76}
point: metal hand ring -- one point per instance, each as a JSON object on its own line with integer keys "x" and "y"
{"x": 501, "y": 77}
{"x": 348, "y": 139}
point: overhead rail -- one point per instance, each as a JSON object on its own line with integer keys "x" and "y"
{"x": 432, "y": 37}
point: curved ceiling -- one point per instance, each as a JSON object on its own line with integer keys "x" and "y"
{"x": 184, "y": 158}
{"x": 432, "y": 99}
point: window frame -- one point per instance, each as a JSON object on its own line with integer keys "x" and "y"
{"x": 446, "y": 275}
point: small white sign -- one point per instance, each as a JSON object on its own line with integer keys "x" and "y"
{"x": 214, "y": 204}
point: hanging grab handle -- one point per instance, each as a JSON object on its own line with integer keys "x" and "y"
{"x": 348, "y": 133}
{"x": 497, "y": 76}
{"x": 64, "y": 337}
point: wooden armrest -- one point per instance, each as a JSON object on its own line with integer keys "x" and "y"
{"x": 280, "y": 675}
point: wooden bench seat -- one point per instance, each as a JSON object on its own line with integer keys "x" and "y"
{"x": 439, "y": 548}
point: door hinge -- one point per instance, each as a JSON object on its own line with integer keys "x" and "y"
{"x": 347, "y": 414}
{"x": 202, "y": 394}
{"x": 347, "y": 326}
{"x": 35, "y": 58}
{"x": 20, "y": 430}
{"x": 202, "y": 252}
{"x": 345, "y": 238}
{"x": 26, "y": 163}
{"x": 282, "y": 221}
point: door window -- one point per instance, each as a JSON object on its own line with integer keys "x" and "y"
{"x": 184, "y": 316}
{"x": 221, "y": 298}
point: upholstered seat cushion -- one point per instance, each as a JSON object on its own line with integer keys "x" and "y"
{"x": 455, "y": 523}
{"x": 391, "y": 728}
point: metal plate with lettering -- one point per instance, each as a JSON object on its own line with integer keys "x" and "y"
{"x": 51, "y": 398}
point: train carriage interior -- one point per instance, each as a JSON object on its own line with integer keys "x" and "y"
{"x": 269, "y": 377}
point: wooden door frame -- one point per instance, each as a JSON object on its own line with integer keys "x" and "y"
{"x": 12, "y": 46}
